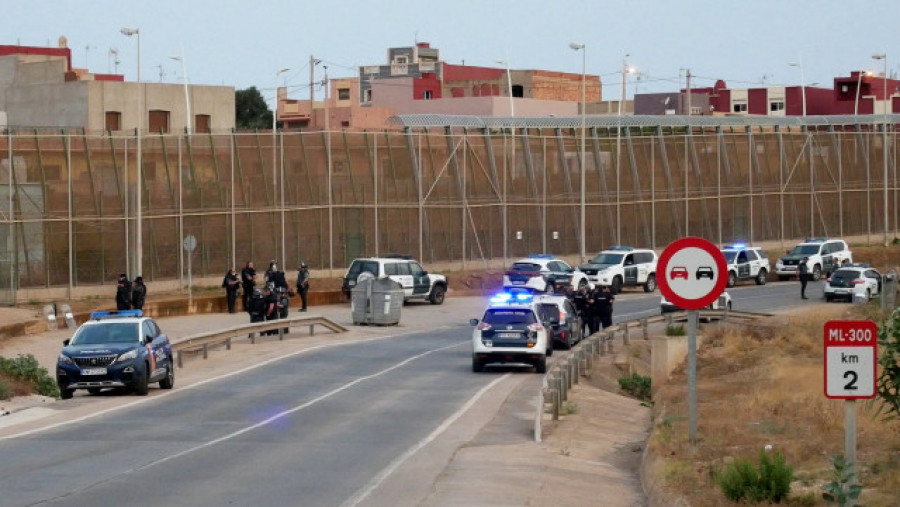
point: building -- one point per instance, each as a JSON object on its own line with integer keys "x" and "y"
{"x": 39, "y": 88}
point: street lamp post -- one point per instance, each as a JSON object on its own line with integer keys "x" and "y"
{"x": 138, "y": 242}
{"x": 187, "y": 99}
{"x": 581, "y": 47}
{"x": 812, "y": 191}
{"x": 625, "y": 71}
{"x": 858, "y": 85}
{"x": 884, "y": 147}
{"x": 512, "y": 111}
{"x": 275, "y": 179}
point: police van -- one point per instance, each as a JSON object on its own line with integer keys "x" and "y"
{"x": 825, "y": 256}
{"x": 746, "y": 263}
{"x": 622, "y": 266}
{"x": 511, "y": 331}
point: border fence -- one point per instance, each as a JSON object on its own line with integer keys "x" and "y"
{"x": 442, "y": 188}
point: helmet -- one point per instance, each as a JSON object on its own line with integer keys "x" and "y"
{"x": 302, "y": 264}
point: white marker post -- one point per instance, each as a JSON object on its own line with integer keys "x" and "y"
{"x": 693, "y": 275}
{"x": 851, "y": 356}
{"x": 190, "y": 243}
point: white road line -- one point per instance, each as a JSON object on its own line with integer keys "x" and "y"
{"x": 386, "y": 472}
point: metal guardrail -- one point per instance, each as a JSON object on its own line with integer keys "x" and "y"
{"x": 203, "y": 341}
{"x": 564, "y": 374}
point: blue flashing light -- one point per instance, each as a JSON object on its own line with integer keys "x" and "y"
{"x": 506, "y": 298}
{"x": 735, "y": 246}
{"x": 120, "y": 313}
{"x": 619, "y": 248}
{"x": 816, "y": 240}
{"x": 540, "y": 256}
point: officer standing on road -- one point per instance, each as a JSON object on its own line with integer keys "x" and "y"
{"x": 604, "y": 301}
{"x": 248, "y": 281}
{"x": 123, "y": 293}
{"x": 138, "y": 293}
{"x": 231, "y": 283}
{"x": 803, "y": 271}
{"x": 303, "y": 284}
{"x": 592, "y": 310}
{"x": 580, "y": 300}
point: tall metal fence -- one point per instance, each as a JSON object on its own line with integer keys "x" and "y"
{"x": 452, "y": 189}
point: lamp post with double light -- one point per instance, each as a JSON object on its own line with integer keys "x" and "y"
{"x": 626, "y": 69}
{"x": 187, "y": 99}
{"x": 138, "y": 242}
{"x": 812, "y": 190}
{"x": 581, "y": 242}
{"x": 275, "y": 163}
{"x": 884, "y": 147}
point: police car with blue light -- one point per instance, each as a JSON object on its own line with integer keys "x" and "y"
{"x": 746, "y": 263}
{"x": 121, "y": 349}
{"x": 622, "y": 266}
{"x": 544, "y": 273}
{"x": 511, "y": 331}
{"x": 853, "y": 282}
{"x": 824, "y": 256}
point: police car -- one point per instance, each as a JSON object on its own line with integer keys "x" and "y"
{"x": 115, "y": 349}
{"x": 723, "y": 302}
{"x": 403, "y": 269}
{"x": 825, "y": 255}
{"x": 543, "y": 273}
{"x": 621, "y": 266}
{"x": 511, "y": 331}
{"x": 853, "y": 281}
{"x": 746, "y": 263}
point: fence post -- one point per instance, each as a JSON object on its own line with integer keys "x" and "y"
{"x": 646, "y": 327}
{"x": 625, "y": 337}
{"x": 555, "y": 401}
{"x": 228, "y": 344}
{"x": 205, "y": 350}
{"x": 180, "y": 362}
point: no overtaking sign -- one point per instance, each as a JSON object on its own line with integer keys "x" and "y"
{"x": 691, "y": 273}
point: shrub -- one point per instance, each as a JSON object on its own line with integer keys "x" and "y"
{"x": 675, "y": 330}
{"x": 636, "y": 385}
{"x": 769, "y": 482}
{"x": 27, "y": 368}
{"x": 841, "y": 489}
{"x": 6, "y": 390}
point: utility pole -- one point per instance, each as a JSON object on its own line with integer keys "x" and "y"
{"x": 312, "y": 82}
{"x": 688, "y": 91}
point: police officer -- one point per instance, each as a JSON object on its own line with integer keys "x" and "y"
{"x": 604, "y": 301}
{"x": 248, "y": 281}
{"x": 123, "y": 293}
{"x": 592, "y": 310}
{"x": 271, "y": 304}
{"x": 803, "y": 273}
{"x": 580, "y": 301}
{"x": 138, "y": 293}
{"x": 303, "y": 284}
{"x": 231, "y": 283}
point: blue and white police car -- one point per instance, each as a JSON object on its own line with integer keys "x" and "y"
{"x": 121, "y": 349}
{"x": 543, "y": 273}
{"x": 511, "y": 331}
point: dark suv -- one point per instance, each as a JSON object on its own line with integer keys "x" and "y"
{"x": 115, "y": 349}
{"x": 562, "y": 320}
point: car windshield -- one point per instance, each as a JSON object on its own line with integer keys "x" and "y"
{"x": 124, "y": 332}
{"x": 805, "y": 249}
{"x": 359, "y": 266}
{"x": 509, "y": 317}
{"x": 729, "y": 256}
{"x": 844, "y": 274}
{"x": 525, "y": 266}
{"x": 607, "y": 259}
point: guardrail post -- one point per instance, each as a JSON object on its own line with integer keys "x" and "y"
{"x": 601, "y": 342}
{"x": 668, "y": 318}
{"x": 573, "y": 364}
{"x": 228, "y": 344}
{"x": 609, "y": 342}
{"x": 280, "y": 334}
{"x": 625, "y": 336}
{"x": 253, "y": 338}
{"x": 555, "y": 400}
{"x": 205, "y": 351}
{"x": 312, "y": 329}
{"x": 646, "y": 328}
{"x": 180, "y": 361}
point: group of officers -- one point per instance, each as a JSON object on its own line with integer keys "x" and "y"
{"x": 594, "y": 305}
{"x": 271, "y": 300}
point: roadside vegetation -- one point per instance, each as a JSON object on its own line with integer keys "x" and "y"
{"x": 23, "y": 376}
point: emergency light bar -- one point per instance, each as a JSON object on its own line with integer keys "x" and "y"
{"x": 120, "y": 313}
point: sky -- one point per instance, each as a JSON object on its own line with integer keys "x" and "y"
{"x": 747, "y": 43}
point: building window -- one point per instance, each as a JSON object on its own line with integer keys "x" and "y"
{"x": 739, "y": 107}
{"x": 518, "y": 91}
{"x": 368, "y": 95}
{"x": 401, "y": 59}
{"x": 203, "y": 123}
{"x": 113, "y": 120}
{"x": 476, "y": 91}
{"x": 426, "y": 95}
{"x": 696, "y": 110}
{"x": 159, "y": 121}
{"x": 343, "y": 93}
{"x": 345, "y": 124}
{"x": 776, "y": 106}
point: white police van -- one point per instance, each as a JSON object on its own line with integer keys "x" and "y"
{"x": 825, "y": 255}
{"x": 511, "y": 331}
{"x": 622, "y": 266}
{"x": 746, "y": 263}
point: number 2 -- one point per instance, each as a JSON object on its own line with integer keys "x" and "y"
{"x": 851, "y": 386}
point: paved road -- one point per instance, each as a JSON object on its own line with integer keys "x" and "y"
{"x": 327, "y": 424}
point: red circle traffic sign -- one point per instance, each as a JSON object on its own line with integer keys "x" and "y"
{"x": 691, "y": 273}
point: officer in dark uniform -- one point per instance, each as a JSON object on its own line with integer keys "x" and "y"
{"x": 138, "y": 293}
{"x": 579, "y": 299}
{"x": 303, "y": 284}
{"x": 604, "y": 300}
{"x": 248, "y": 281}
{"x": 231, "y": 283}
{"x": 592, "y": 310}
{"x": 123, "y": 293}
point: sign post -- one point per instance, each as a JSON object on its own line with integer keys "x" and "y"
{"x": 851, "y": 356}
{"x": 692, "y": 273}
{"x": 189, "y": 244}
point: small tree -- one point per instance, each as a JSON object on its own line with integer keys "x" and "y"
{"x": 888, "y": 385}
{"x": 250, "y": 110}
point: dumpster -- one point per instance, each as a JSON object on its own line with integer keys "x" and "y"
{"x": 376, "y": 301}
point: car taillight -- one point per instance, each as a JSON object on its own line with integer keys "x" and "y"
{"x": 828, "y": 280}
{"x": 562, "y": 317}
{"x": 535, "y": 327}
{"x": 483, "y": 326}
{"x": 858, "y": 282}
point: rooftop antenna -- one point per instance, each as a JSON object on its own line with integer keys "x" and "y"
{"x": 162, "y": 73}
{"x": 112, "y": 57}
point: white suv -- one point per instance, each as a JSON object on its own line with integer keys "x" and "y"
{"x": 746, "y": 263}
{"x": 622, "y": 266}
{"x": 825, "y": 256}
{"x": 511, "y": 331}
{"x": 417, "y": 283}
{"x": 544, "y": 273}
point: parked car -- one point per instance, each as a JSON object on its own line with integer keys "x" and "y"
{"x": 561, "y": 317}
{"x": 825, "y": 255}
{"x": 511, "y": 331}
{"x": 403, "y": 269}
{"x": 746, "y": 263}
{"x": 853, "y": 281}
{"x": 623, "y": 266}
{"x": 723, "y": 302}
{"x": 544, "y": 273}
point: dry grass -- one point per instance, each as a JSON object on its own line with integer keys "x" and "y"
{"x": 763, "y": 384}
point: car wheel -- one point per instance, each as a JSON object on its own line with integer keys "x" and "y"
{"x": 732, "y": 279}
{"x": 829, "y": 298}
{"x": 169, "y": 381}
{"x": 817, "y": 273}
{"x": 616, "y": 285}
{"x": 477, "y": 366}
{"x": 437, "y": 295}
{"x": 761, "y": 277}
{"x": 66, "y": 394}
{"x": 540, "y": 366}
{"x": 141, "y": 385}
{"x": 650, "y": 286}
{"x": 728, "y": 306}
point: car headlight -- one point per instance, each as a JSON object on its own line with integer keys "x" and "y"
{"x": 64, "y": 359}
{"x": 131, "y": 354}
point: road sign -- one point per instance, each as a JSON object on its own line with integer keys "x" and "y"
{"x": 691, "y": 273}
{"x": 190, "y": 243}
{"x": 851, "y": 353}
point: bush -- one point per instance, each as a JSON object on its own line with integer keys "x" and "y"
{"x": 6, "y": 390}
{"x": 27, "y": 368}
{"x": 770, "y": 482}
{"x": 636, "y": 385}
{"x": 675, "y": 330}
